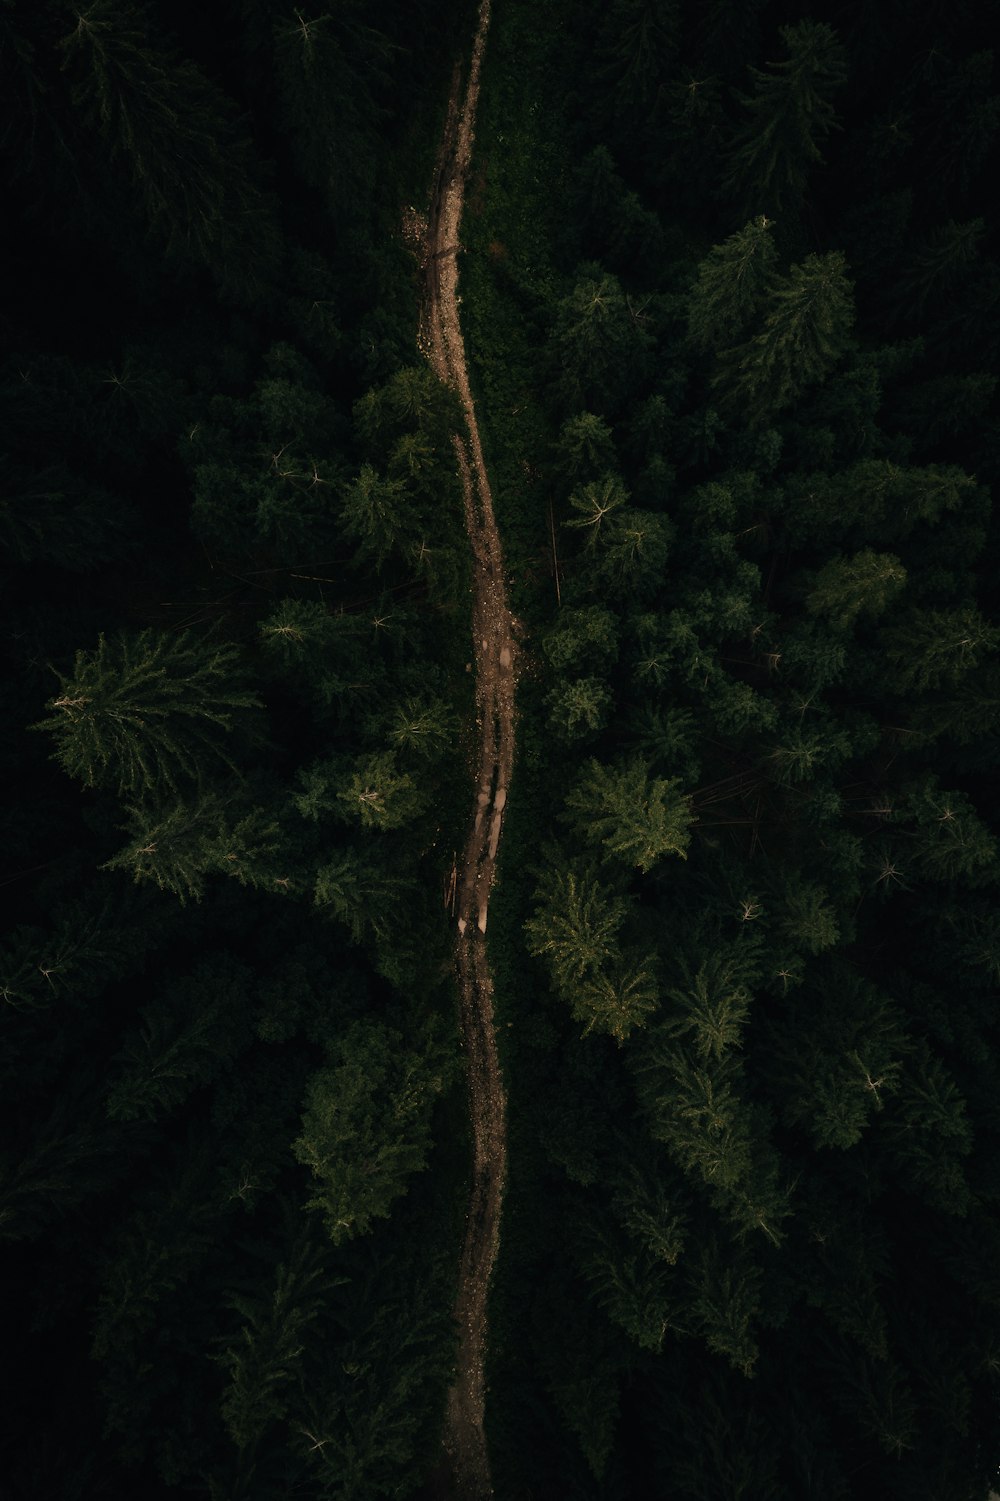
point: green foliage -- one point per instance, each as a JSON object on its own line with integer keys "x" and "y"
{"x": 575, "y": 928}
{"x": 578, "y": 708}
{"x": 192, "y": 168}
{"x": 806, "y": 327}
{"x": 734, "y": 281}
{"x": 177, "y": 845}
{"x": 195, "y": 1029}
{"x": 932, "y": 648}
{"x": 585, "y": 447}
{"x": 360, "y": 892}
{"x": 147, "y": 712}
{"x": 51, "y": 516}
{"x": 788, "y": 117}
{"x": 366, "y": 1126}
{"x": 865, "y": 584}
{"x": 596, "y": 501}
{"x": 266, "y": 1358}
{"x": 379, "y": 795}
{"x": 599, "y": 346}
{"x": 634, "y": 818}
{"x": 264, "y": 466}
{"x": 713, "y": 1007}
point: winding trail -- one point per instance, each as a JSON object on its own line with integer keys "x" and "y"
{"x": 495, "y": 662}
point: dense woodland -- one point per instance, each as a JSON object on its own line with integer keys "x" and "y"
{"x": 732, "y": 305}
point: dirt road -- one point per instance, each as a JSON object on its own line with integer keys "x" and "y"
{"x": 495, "y": 663}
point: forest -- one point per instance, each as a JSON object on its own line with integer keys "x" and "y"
{"x": 730, "y": 295}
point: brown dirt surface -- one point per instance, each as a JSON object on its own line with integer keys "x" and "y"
{"x": 496, "y": 670}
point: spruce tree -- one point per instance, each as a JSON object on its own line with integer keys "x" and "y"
{"x": 178, "y": 844}
{"x": 734, "y": 281}
{"x": 144, "y": 713}
{"x": 635, "y": 819}
{"x": 862, "y": 585}
{"x": 789, "y": 116}
{"x": 806, "y": 327}
{"x": 191, "y": 167}
{"x": 366, "y": 1126}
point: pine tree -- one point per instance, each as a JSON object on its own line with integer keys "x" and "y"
{"x": 635, "y": 819}
{"x": 789, "y": 116}
{"x": 584, "y": 448}
{"x": 642, "y": 38}
{"x": 53, "y": 517}
{"x": 595, "y": 502}
{"x": 726, "y": 1296}
{"x": 267, "y": 1355}
{"x": 630, "y": 1284}
{"x": 423, "y": 727}
{"x": 931, "y": 648}
{"x": 930, "y": 1133}
{"x": 194, "y": 1030}
{"x": 146, "y": 712}
{"x": 734, "y": 281}
{"x": 366, "y": 1126}
{"x": 376, "y": 514}
{"x": 863, "y": 584}
{"x": 950, "y": 840}
{"x": 86, "y": 947}
{"x": 617, "y": 999}
{"x": 178, "y": 844}
{"x": 581, "y": 636}
{"x": 191, "y": 167}
{"x": 713, "y": 1007}
{"x": 364, "y": 893}
{"x": 806, "y": 328}
{"x": 379, "y": 795}
{"x": 632, "y": 552}
{"x": 937, "y": 266}
{"x": 371, "y": 790}
{"x": 575, "y": 927}
{"x": 578, "y": 708}
{"x": 599, "y": 347}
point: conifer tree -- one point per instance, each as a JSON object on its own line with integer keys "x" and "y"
{"x": 578, "y": 708}
{"x": 51, "y": 516}
{"x": 363, "y": 892}
{"x": 806, "y": 328}
{"x": 379, "y": 794}
{"x": 865, "y": 584}
{"x": 635, "y": 819}
{"x": 713, "y": 1007}
{"x": 423, "y": 727}
{"x": 599, "y": 348}
{"x": 192, "y": 169}
{"x": 191, "y": 1032}
{"x": 145, "y": 712}
{"x": 642, "y": 37}
{"x": 366, "y": 1126}
{"x": 789, "y": 116}
{"x": 930, "y": 648}
{"x": 595, "y": 502}
{"x": 734, "y": 281}
{"x": 376, "y": 514}
{"x": 178, "y": 844}
{"x": 584, "y": 448}
{"x": 266, "y": 1357}
{"x": 616, "y": 999}
{"x": 575, "y": 927}
{"x": 937, "y": 265}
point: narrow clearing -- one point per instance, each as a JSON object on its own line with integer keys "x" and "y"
{"x": 441, "y": 340}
